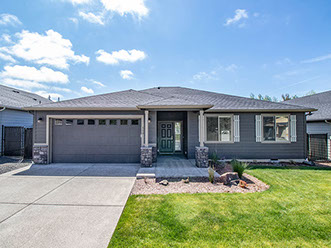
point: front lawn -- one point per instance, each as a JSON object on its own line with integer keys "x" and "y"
{"x": 294, "y": 212}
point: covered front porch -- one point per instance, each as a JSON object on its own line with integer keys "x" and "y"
{"x": 173, "y": 132}
{"x": 173, "y": 167}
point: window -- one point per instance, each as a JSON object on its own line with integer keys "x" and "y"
{"x": 69, "y": 122}
{"x": 90, "y": 122}
{"x": 80, "y": 122}
{"x": 134, "y": 122}
{"x": 124, "y": 122}
{"x": 276, "y": 128}
{"x": 58, "y": 122}
{"x": 102, "y": 122}
{"x": 178, "y": 135}
{"x": 113, "y": 122}
{"x": 219, "y": 128}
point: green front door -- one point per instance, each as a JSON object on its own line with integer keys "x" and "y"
{"x": 166, "y": 137}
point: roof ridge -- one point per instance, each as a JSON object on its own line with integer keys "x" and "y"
{"x": 242, "y": 97}
{"x": 86, "y": 97}
{"x": 23, "y": 91}
{"x": 309, "y": 96}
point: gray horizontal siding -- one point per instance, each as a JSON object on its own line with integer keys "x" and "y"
{"x": 248, "y": 148}
{"x": 319, "y": 128}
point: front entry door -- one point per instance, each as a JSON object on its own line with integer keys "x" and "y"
{"x": 166, "y": 137}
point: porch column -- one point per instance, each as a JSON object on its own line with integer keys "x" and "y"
{"x": 202, "y": 128}
{"x": 146, "y": 128}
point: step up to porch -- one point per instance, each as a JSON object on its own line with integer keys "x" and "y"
{"x": 146, "y": 173}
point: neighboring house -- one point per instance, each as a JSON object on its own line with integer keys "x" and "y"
{"x": 12, "y": 114}
{"x": 319, "y": 122}
{"x": 130, "y": 126}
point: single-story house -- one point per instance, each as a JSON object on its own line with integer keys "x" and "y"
{"x": 319, "y": 122}
{"x": 12, "y": 102}
{"x": 133, "y": 126}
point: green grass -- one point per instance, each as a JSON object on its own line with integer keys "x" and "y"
{"x": 294, "y": 212}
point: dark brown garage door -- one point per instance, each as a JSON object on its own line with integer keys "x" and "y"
{"x": 96, "y": 141}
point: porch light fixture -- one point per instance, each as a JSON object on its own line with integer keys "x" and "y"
{"x": 40, "y": 119}
{"x": 149, "y": 120}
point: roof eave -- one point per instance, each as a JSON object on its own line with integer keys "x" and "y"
{"x": 261, "y": 110}
{"x": 175, "y": 106}
{"x": 79, "y": 108}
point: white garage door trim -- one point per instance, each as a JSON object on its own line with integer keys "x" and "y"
{"x": 49, "y": 129}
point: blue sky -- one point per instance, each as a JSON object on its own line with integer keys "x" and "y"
{"x": 74, "y": 48}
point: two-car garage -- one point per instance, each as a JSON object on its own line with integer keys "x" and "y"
{"x": 95, "y": 140}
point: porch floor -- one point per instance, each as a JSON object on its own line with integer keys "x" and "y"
{"x": 174, "y": 167}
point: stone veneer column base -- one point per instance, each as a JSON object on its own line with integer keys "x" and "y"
{"x": 40, "y": 154}
{"x": 201, "y": 156}
{"x": 154, "y": 154}
{"x": 146, "y": 156}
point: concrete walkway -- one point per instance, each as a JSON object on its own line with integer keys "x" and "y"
{"x": 63, "y": 205}
{"x": 174, "y": 167}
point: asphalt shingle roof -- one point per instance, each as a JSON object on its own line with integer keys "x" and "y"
{"x": 169, "y": 96}
{"x": 18, "y": 99}
{"x": 320, "y": 101}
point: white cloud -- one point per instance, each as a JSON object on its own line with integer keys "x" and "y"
{"x": 231, "y": 68}
{"x": 24, "y": 84}
{"x": 50, "y": 49}
{"x": 97, "y": 83}
{"x": 90, "y": 17}
{"x": 54, "y": 96}
{"x": 121, "y": 55}
{"x": 285, "y": 61}
{"x": 45, "y": 74}
{"x": 7, "y": 57}
{"x": 74, "y": 2}
{"x": 133, "y": 7}
{"x": 87, "y": 90}
{"x": 74, "y": 20}
{"x": 317, "y": 59}
{"x": 204, "y": 76}
{"x": 61, "y": 89}
{"x": 8, "y": 19}
{"x": 126, "y": 74}
{"x": 239, "y": 14}
{"x": 6, "y": 38}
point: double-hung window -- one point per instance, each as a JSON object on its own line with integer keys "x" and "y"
{"x": 275, "y": 128}
{"x": 219, "y": 128}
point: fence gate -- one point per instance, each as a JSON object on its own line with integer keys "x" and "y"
{"x": 317, "y": 146}
{"x": 17, "y": 141}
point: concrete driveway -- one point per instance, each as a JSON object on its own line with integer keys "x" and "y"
{"x": 63, "y": 205}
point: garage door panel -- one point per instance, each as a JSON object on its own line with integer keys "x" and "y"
{"x": 96, "y": 143}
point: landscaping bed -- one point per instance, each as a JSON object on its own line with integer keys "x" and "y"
{"x": 196, "y": 185}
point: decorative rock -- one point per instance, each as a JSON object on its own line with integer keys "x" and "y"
{"x": 40, "y": 154}
{"x": 186, "y": 180}
{"x": 146, "y": 156}
{"x": 242, "y": 184}
{"x": 201, "y": 156}
{"x": 226, "y": 178}
{"x": 164, "y": 182}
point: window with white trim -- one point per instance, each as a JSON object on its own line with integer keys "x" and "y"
{"x": 58, "y": 122}
{"x": 275, "y": 128}
{"x": 219, "y": 128}
{"x": 69, "y": 122}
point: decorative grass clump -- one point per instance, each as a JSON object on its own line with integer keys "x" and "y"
{"x": 238, "y": 167}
